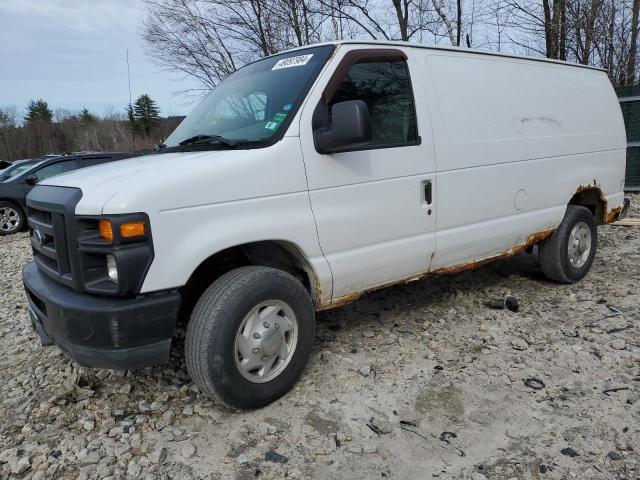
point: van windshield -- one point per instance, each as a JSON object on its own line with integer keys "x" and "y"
{"x": 254, "y": 105}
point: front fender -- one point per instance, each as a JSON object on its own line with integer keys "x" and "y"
{"x": 186, "y": 237}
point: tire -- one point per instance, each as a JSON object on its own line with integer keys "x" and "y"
{"x": 234, "y": 307}
{"x": 556, "y": 253}
{"x": 12, "y": 218}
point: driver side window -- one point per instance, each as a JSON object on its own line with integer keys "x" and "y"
{"x": 55, "y": 169}
{"x": 385, "y": 87}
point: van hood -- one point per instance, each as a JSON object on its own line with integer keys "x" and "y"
{"x": 169, "y": 181}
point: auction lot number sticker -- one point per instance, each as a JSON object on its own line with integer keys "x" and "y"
{"x": 297, "y": 61}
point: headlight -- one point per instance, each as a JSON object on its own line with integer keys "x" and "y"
{"x": 128, "y": 230}
{"x": 115, "y": 253}
{"x": 112, "y": 269}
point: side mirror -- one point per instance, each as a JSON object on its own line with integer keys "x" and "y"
{"x": 350, "y": 128}
{"x": 31, "y": 179}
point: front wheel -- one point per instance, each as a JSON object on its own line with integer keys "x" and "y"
{"x": 568, "y": 254}
{"x": 11, "y": 218}
{"x": 250, "y": 336}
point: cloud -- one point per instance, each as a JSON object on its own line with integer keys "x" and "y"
{"x": 72, "y": 54}
{"x": 82, "y": 16}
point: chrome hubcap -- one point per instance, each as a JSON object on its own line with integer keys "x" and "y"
{"x": 9, "y": 219}
{"x": 266, "y": 341}
{"x": 579, "y": 245}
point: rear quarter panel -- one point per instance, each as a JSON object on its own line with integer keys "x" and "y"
{"x": 515, "y": 139}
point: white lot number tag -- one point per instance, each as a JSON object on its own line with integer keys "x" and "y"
{"x": 298, "y": 61}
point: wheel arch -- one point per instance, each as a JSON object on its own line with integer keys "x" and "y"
{"x": 21, "y": 208}
{"x": 281, "y": 254}
{"x": 593, "y": 198}
{"x": 14, "y": 201}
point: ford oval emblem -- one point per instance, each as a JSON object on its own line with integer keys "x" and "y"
{"x": 37, "y": 236}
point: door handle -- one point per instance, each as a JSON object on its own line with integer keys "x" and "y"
{"x": 428, "y": 192}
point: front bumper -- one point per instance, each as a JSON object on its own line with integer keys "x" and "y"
{"x": 114, "y": 333}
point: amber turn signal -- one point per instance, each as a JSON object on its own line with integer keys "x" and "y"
{"x": 132, "y": 230}
{"x": 106, "y": 230}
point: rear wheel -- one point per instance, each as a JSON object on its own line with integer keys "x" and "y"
{"x": 250, "y": 336}
{"x": 568, "y": 254}
{"x": 11, "y": 218}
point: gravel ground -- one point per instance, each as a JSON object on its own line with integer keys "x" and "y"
{"x": 420, "y": 381}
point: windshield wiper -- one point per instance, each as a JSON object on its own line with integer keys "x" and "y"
{"x": 208, "y": 139}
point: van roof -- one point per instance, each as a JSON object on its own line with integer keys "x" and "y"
{"x": 448, "y": 49}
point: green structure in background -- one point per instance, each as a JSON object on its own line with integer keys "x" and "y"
{"x": 630, "y": 104}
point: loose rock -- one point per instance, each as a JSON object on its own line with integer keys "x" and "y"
{"x": 188, "y": 450}
{"x": 442, "y": 362}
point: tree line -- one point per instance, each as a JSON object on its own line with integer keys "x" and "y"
{"x": 43, "y": 131}
{"x": 209, "y": 39}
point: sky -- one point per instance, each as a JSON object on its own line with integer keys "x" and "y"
{"x": 72, "y": 53}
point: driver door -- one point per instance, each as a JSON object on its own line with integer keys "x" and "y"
{"x": 374, "y": 206}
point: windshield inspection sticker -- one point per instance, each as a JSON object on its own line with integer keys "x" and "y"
{"x": 298, "y": 61}
{"x": 275, "y": 122}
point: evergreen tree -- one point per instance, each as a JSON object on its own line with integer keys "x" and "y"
{"x": 38, "y": 111}
{"x": 145, "y": 113}
{"x": 133, "y": 124}
{"x": 85, "y": 116}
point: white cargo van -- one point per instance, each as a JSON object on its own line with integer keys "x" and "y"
{"x": 308, "y": 178}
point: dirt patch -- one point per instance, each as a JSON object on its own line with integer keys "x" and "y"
{"x": 441, "y": 403}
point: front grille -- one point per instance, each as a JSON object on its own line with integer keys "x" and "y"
{"x": 51, "y": 219}
{"x": 41, "y": 215}
{"x": 48, "y": 240}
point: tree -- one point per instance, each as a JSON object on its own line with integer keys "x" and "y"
{"x": 189, "y": 38}
{"x": 555, "y": 29}
{"x": 145, "y": 114}
{"x": 584, "y": 14}
{"x": 39, "y": 118}
{"x": 439, "y": 8}
{"x": 86, "y": 116}
{"x": 209, "y": 39}
{"x": 133, "y": 125}
{"x": 633, "y": 50}
{"x": 38, "y": 111}
{"x": 458, "y": 22}
{"x": 546, "y": 20}
{"x": 8, "y": 124}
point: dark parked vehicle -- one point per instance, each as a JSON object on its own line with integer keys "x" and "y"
{"x": 18, "y": 180}
{"x": 18, "y": 167}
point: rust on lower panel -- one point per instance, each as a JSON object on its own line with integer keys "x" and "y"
{"x": 339, "y": 302}
{"x": 612, "y": 215}
{"x": 317, "y": 292}
{"x": 589, "y": 186}
{"x": 531, "y": 240}
{"x": 607, "y": 216}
